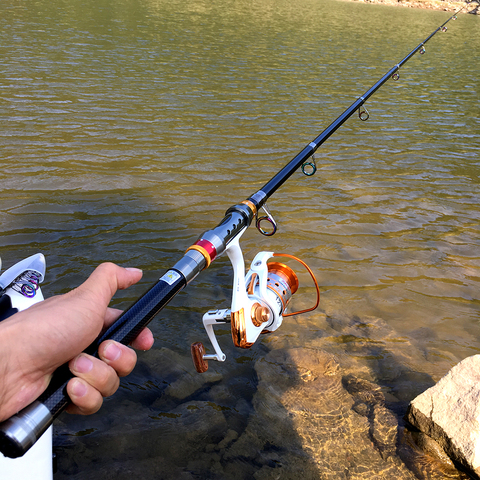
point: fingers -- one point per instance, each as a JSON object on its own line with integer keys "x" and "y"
{"x": 144, "y": 340}
{"x": 97, "y": 373}
{"x": 85, "y": 399}
{"x": 94, "y": 380}
{"x": 99, "y": 377}
{"x": 119, "y": 357}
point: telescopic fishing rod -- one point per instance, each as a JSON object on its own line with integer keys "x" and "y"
{"x": 259, "y": 298}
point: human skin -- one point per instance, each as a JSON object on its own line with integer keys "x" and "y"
{"x": 38, "y": 340}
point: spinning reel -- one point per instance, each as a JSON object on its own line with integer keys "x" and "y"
{"x": 259, "y": 302}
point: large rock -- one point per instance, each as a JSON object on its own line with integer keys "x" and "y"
{"x": 449, "y": 412}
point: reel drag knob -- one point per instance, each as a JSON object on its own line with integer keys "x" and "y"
{"x": 198, "y": 351}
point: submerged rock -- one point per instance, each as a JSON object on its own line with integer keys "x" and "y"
{"x": 429, "y": 446}
{"x": 305, "y": 424}
{"x": 449, "y": 412}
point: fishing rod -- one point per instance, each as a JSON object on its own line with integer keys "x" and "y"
{"x": 259, "y": 299}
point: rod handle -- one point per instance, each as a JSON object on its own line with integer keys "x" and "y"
{"x": 19, "y": 433}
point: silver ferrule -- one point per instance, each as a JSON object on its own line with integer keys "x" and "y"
{"x": 21, "y": 431}
{"x": 191, "y": 264}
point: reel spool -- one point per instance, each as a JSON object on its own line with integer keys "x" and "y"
{"x": 259, "y": 302}
{"x": 283, "y": 281}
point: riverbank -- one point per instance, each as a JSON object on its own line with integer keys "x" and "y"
{"x": 444, "y": 5}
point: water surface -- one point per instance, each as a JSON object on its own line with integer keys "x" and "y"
{"x": 129, "y": 128}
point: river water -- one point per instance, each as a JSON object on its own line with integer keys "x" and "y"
{"x": 129, "y": 127}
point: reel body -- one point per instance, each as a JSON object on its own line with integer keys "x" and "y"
{"x": 259, "y": 302}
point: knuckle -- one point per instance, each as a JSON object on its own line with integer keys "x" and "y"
{"x": 108, "y": 267}
{"x": 86, "y": 404}
{"x": 125, "y": 363}
{"x": 106, "y": 378}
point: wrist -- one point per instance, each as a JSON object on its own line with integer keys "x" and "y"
{"x": 6, "y": 364}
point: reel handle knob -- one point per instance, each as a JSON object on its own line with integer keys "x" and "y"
{"x": 198, "y": 351}
{"x": 260, "y": 314}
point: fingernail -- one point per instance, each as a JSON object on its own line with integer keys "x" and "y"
{"x": 112, "y": 352}
{"x": 132, "y": 269}
{"x": 83, "y": 364}
{"x": 78, "y": 388}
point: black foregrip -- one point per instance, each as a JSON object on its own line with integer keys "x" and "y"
{"x": 55, "y": 397}
{"x": 125, "y": 329}
{"x": 133, "y": 320}
{"x": 21, "y": 431}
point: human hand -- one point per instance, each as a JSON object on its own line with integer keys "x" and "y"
{"x": 36, "y": 341}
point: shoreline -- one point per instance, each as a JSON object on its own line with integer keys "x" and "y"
{"x": 445, "y": 5}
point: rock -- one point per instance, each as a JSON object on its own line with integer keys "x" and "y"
{"x": 163, "y": 438}
{"x": 429, "y": 446}
{"x": 363, "y": 391}
{"x": 310, "y": 406}
{"x": 306, "y": 422}
{"x": 384, "y": 431}
{"x": 449, "y": 412}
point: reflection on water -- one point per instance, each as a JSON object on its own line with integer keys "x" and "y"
{"x": 130, "y": 127}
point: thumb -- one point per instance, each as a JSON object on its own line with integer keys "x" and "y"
{"x": 105, "y": 280}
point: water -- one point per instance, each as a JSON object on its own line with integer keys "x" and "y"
{"x": 129, "y": 128}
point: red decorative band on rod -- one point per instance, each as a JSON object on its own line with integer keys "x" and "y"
{"x": 209, "y": 247}
{"x": 206, "y": 248}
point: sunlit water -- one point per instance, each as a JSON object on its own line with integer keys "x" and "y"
{"x": 128, "y": 129}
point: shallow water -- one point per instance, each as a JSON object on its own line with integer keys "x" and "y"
{"x": 130, "y": 127}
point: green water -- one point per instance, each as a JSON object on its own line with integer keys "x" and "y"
{"x": 129, "y": 127}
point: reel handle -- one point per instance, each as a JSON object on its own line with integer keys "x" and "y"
{"x": 22, "y": 430}
{"x": 198, "y": 351}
